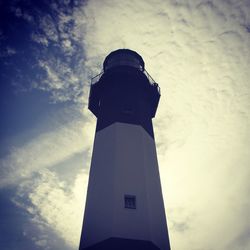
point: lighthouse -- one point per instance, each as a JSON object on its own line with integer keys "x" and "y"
{"x": 124, "y": 205}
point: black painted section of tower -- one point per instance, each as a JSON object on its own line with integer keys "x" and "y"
{"x": 122, "y": 244}
{"x": 124, "y": 94}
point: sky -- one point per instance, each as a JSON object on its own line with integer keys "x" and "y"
{"x": 197, "y": 51}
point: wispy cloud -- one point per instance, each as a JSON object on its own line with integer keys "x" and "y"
{"x": 53, "y": 51}
{"x": 39, "y": 170}
{"x": 39, "y": 38}
{"x": 47, "y": 149}
{"x": 8, "y": 51}
{"x": 48, "y": 26}
{"x": 53, "y": 205}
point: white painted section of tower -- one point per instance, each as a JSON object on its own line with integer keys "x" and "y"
{"x": 124, "y": 161}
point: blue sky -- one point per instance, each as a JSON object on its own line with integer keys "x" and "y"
{"x": 33, "y": 105}
{"x": 198, "y": 52}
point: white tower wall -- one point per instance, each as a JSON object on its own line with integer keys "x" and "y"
{"x": 124, "y": 162}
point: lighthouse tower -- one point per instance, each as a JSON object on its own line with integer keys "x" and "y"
{"x": 124, "y": 206}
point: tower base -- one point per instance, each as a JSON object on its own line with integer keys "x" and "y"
{"x": 122, "y": 244}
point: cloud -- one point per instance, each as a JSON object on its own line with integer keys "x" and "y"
{"x": 7, "y": 52}
{"x": 52, "y": 50}
{"x": 197, "y": 52}
{"x": 47, "y": 149}
{"x": 40, "y": 39}
{"x": 40, "y": 170}
{"x": 61, "y": 81}
{"x": 65, "y": 78}
{"x": 48, "y": 26}
{"x": 53, "y": 207}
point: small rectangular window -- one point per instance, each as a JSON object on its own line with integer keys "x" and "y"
{"x": 130, "y": 201}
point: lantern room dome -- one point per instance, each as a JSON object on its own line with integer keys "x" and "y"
{"x": 123, "y": 57}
